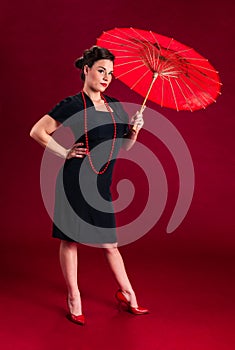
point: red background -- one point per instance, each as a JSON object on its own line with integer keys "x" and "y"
{"x": 186, "y": 278}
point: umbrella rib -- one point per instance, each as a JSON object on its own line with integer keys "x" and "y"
{"x": 151, "y": 53}
{"x": 208, "y": 77}
{"x": 194, "y": 70}
{"x": 195, "y": 58}
{"x": 129, "y": 62}
{"x": 168, "y": 47}
{"x": 119, "y": 57}
{"x": 128, "y": 35}
{"x": 199, "y": 100}
{"x": 156, "y": 62}
{"x": 169, "y": 68}
{"x": 149, "y": 42}
{"x": 153, "y": 58}
{"x": 122, "y": 50}
{"x": 173, "y": 54}
{"x": 179, "y": 52}
{"x": 149, "y": 57}
{"x": 209, "y": 69}
{"x": 138, "y": 43}
{"x": 200, "y": 88}
{"x": 156, "y": 41}
{"x": 133, "y": 45}
{"x": 173, "y": 93}
{"x": 137, "y": 82}
{"x": 131, "y": 70}
{"x": 115, "y": 43}
{"x": 165, "y": 70}
{"x": 163, "y": 81}
{"x": 183, "y": 95}
{"x": 121, "y": 38}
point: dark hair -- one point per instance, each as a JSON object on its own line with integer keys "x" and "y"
{"x": 90, "y": 56}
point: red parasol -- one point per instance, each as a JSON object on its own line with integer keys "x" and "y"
{"x": 161, "y": 69}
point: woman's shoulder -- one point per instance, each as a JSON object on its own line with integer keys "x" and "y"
{"x": 66, "y": 107}
{"x": 72, "y": 99}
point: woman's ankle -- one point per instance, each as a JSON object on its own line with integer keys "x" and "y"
{"x": 74, "y": 305}
{"x": 73, "y": 293}
{"x": 131, "y": 297}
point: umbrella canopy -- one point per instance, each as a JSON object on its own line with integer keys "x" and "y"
{"x": 161, "y": 69}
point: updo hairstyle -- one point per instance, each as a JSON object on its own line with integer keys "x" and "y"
{"x": 90, "y": 56}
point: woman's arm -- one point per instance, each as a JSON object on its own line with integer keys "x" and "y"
{"x": 130, "y": 138}
{"x": 41, "y": 132}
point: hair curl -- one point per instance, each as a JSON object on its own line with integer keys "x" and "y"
{"x": 90, "y": 56}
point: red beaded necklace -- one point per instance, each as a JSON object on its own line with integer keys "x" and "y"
{"x": 86, "y": 135}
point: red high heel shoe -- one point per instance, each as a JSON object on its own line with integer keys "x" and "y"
{"x": 134, "y": 310}
{"x": 80, "y": 319}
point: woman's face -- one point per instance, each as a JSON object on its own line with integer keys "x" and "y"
{"x": 99, "y": 76}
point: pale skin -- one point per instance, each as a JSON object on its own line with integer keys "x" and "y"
{"x": 97, "y": 79}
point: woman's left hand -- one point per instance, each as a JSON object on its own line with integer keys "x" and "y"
{"x": 137, "y": 120}
{"x": 77, "y": 151}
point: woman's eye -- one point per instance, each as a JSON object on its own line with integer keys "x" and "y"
{"x": 100, "y": 70}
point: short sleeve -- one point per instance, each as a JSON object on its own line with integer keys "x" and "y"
{"x": 64, "y": 109}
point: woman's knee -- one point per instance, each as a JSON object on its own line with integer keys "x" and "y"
{"x": 67, "y": 244}
{"x": 111, "y": 250}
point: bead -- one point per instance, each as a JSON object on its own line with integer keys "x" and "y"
{"x": 86, "y": 135}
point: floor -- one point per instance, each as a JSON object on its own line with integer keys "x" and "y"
{"x": 190, "y": 296}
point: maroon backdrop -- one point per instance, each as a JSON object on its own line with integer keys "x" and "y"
{"x": 39, "y": 42}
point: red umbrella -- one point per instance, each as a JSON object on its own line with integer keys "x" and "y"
{"x": 161, "y": 69}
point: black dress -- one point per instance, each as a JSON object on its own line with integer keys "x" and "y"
{"x": 83, "y": 203}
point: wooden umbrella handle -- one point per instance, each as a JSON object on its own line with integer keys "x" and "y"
{"x": 155, "y": 75}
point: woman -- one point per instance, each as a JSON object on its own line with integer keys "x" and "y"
{"x": 98, "y": 119}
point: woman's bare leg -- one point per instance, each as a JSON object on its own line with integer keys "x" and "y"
{"x": 118, "y": 268}
{"x": 69, "y": 266}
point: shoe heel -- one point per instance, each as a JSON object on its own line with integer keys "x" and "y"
{"x": 134, "y": 310}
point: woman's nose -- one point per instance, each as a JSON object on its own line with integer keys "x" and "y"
{"x": 106, "y": 76}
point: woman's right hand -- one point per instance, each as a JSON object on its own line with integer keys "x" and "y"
{"x": 77, "y": 151}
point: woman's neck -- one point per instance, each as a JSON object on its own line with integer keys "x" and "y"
{"x": 95, "y": 96}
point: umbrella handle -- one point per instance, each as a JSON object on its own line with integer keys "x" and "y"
{"x": 155, "y": 75}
